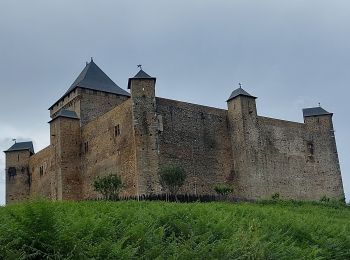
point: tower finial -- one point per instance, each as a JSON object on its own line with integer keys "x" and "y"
{"x": 92, "y": 58}
{"x": 139, "y": 66}
{"x": 319, "y": 104}
{"x": 14, "y": 140}
{"x": 240, "y": 85}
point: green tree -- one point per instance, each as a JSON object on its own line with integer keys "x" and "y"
{"x": 223, "y": 190}
{"x": 172, "y": 178}
{"x": 109, "y": 186}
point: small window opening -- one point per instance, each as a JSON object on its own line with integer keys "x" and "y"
{"x": 310, "y": 148}
{"x": 86, "y": 147}
{"x": 117, "y": 130}
{"x": 41, "y": 170}
{"x": 18, "y": 158}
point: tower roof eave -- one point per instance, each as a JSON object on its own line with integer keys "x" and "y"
{"x": 239, "y": 92}
{"x": 21, "y": 146}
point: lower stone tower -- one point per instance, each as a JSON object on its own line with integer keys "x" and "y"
{"x": 66, "y": 143}
{"x": 18, "y": 178}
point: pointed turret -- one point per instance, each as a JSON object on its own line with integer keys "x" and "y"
{"x": 315, "y": 111}
{"x": 140, "y": 75}
{"x": 239, "y": 92}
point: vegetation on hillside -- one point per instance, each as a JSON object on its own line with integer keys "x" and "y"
{"x": 149, "y": 230}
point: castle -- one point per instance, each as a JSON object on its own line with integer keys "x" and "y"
{"x": 97, "y": 128}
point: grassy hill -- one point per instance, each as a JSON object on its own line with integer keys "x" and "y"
{"x": 149, "y": 230}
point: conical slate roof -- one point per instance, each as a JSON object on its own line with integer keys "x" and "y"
{"x": 140, "y": 75}
{"x": 21, "y": 146}
{"x": 92, "y": 77}
{"x": 239, "y": 92}
{"x": 315, "y": 111}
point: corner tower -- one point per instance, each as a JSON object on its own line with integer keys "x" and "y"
{"x": 243, "y": 126}
{"x": 145, "y": 125}
{"x": 18, "y": 178}
{"x": 322, "y": 156}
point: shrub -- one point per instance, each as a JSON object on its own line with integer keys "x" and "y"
{"x": 275, "y": 196}
{"x": 223, "y": 190}
{"x": 172, "y": 178}
{"x": 109, "y": 186}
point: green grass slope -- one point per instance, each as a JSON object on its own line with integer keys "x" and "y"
{"x": 159, "y": 230}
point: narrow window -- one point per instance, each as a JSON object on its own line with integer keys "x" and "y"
{"x": 117, "y": 130}
{"x": 86, "y": 147}
{"x": 41, "y": 170}
{"x": 310, "y": 148}
{"x": 18, "y": 158}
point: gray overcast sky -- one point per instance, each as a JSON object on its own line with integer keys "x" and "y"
{"x": 290, "y": 54}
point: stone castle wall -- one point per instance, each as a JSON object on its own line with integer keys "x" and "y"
{"x": 109, "y": 150}
{"x": 196, "y": 138}
{"x": 258, "y": 156}
{"x": 95, "y": 103}
{"x": 41, "y": 167}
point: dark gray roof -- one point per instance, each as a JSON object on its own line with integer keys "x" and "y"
{"x": 239, "y": 92}
{"x": 65, "y": 113}
{"x": 140, "y": 75}
{"x": 315, "y": 111}
{"x": 21, "y": 146}
{"x": 92, "y": 77}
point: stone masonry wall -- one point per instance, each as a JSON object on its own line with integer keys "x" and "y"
{"x": 69, "y": 102}
{"x": 40, "y": 166}
{"x": 196, "y": 138}
{"x": 95, "y": 103}
{"x": 282, "y": 158}
{"x": 285, "y": 164}
{"x": 107, "y": 152}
